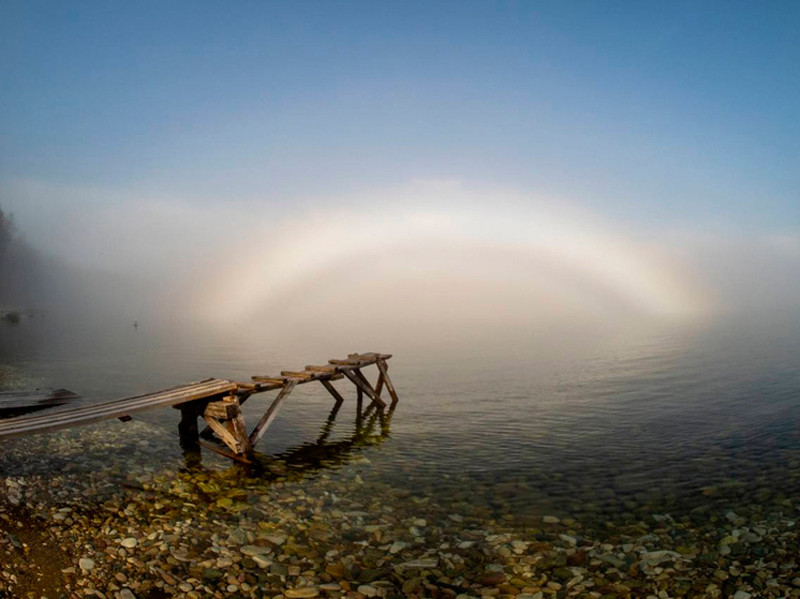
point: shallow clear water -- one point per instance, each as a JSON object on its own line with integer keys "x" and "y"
{"x": 656, "y": 416}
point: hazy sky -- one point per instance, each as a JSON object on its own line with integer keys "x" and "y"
{"x": 662, "y": 116}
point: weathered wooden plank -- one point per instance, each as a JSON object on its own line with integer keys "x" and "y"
{"x": 222, "y": 410}
{"x": 261, "y": 387}
{"x": 247, "y": 386}
{"x": 174, "y": 396}
{"x": 16, "y": 403}
{"x": 366, "y": 357}
{"x": 271, "y": 380}
{"x": 113, "y": 409}
{"x": 271, "y": 413}
{"x": 353, "y": 362}
{"x": 326, "y": 368}
{"x": 369, "y": 356}
{"x": 300, "y": 374}
{"x": 34, "y": 396}
{"x": 300, "y": 377}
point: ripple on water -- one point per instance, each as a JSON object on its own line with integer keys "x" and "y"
{"x": 663, "y": 418}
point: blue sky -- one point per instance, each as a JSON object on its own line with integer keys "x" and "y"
{"x": 657, "y": 113}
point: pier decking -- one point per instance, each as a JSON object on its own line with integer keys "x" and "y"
{"x": 218, "y": 402}
{"x": 16, "y": 403}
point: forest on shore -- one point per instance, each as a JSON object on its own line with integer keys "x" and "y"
{"x": 27, "y": 278}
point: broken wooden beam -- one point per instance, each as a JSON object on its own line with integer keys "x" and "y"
{"x": 271, "y": 413}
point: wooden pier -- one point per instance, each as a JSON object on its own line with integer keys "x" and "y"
{"x": 218, "y": 403}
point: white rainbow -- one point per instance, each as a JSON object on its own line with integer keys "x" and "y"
{"x": 276, "y": 258}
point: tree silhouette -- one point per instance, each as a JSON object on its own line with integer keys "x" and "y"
{"x": 6, "y": 231}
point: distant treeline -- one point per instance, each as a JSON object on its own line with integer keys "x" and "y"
{"x": 24, "y": 275}
{"x": 6, "y": 231}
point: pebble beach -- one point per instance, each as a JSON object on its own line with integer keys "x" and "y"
{"x": 111, "y": 526}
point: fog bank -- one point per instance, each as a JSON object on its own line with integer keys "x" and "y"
{"x": 430, "y": 256}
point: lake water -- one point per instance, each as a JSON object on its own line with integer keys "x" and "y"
{"x": 594, "y": 422}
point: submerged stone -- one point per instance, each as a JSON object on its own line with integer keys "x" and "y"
{"x": 86, "y": 564}
{"x": 301, "y": 592}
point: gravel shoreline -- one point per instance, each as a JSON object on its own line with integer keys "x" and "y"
{"x": 121, "y": 529}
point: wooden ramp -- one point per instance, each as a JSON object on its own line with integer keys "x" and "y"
{"x": 218, "y": 402}
{"x": 118, "y": 408}
{"x": 16, "y": 403}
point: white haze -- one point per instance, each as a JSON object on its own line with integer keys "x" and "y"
{"x": 431, "y": 258}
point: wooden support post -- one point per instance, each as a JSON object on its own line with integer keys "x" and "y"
{"x": 361, "y": 382}
{"x": 332, "y": 390}
{"x": 384, "y": 368}
{"x": 187, "y": 428}
{"x": 379, "y": 385}
{"x": 189, "y": 437}
{"x": 271, "y": 413}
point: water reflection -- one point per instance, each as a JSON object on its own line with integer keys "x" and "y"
{"x": 598, "y": 422}
{"x": 372, "y": 427}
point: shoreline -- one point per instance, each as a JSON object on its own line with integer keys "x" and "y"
{"x": 138, "y": 531}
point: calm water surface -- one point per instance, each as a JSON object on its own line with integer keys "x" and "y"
{"x": 591, "y": 422}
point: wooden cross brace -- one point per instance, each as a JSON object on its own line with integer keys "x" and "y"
{"x": 360, "y": 381}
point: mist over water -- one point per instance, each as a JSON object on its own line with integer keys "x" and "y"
{"x": 434, "y": 253}
{"x": 525, "y": 421}
{"x": 547, "y": 360}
